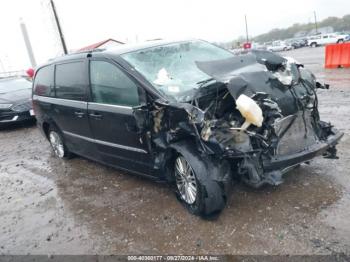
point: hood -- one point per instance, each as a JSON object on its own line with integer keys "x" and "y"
{"x": 258, "y": 72}
{"x": 16, "y": 96}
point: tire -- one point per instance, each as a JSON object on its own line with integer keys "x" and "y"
{"x": 57, "y": 143}
{"x": 313, "y": 44}
{"x": 340, "y": 41}
{"x": 210, "y": 183}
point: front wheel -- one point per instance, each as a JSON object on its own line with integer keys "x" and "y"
{"x": 313, "y": 44}
{"x": 57, "y": 144}
{"x": 201, "y": 185}
{"x": 340, "y": 41}
{"x": 186, "y": 182}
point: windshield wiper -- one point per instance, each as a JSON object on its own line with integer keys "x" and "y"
{"x": 203, "y": 82}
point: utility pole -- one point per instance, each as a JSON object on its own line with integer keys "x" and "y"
{"x": 59, "y": 27}
{"x": 246, "y": 28}
{"x": 315, "y": 23}
{"x": 27, "y": 43}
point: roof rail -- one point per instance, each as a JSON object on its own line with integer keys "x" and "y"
{"x": 89, "y": 51}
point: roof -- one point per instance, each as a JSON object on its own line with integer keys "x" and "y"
{"x": 123, "y": 49}
{"x": 97, "y": 45}
{"x": 114, "y": 51}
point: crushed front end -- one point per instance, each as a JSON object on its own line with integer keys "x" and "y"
{"x": 288, "y": 133}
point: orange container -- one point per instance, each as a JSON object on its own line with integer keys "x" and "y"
{"x": 337, "y": 55}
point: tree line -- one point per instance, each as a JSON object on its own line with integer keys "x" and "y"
{"x": 338, "y": 24}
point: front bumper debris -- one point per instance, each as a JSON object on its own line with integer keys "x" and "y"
{"x": 285, "y": 161}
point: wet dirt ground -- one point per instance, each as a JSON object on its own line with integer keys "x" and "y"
{"x": 50, "y": 206}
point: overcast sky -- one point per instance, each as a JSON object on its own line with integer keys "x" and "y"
{"x": 89, "y": 21}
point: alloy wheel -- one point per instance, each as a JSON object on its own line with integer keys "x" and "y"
{"x": 185, "y": 180}
{"x": 57, "y": 144}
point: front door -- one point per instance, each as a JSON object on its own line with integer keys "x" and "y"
{"x": 113, "y": 94}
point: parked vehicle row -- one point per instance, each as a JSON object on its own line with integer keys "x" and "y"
{"x": 294, "y": 43}
{"x": 325, "y": 39}
{"x": 297, "y": 43}
{"x": 277, "y": 46}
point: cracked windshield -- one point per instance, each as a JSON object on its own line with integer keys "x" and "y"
{"x": 172, "y": 68}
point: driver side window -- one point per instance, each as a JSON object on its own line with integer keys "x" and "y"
{"x": 109, "y": 85}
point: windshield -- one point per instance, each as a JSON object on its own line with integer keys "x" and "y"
{"x": 172, "y": 69}
{"x": 9, "y": 85}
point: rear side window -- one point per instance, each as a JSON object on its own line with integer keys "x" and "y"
{"x": 43, "y": 82}
{"x": 70, "y": 81}
{"x": 109, "y": 85}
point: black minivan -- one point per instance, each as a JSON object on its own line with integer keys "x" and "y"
{"x": 187, "y": 112}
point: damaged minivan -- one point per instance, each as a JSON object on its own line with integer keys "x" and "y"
{"x": 187, "y": 112}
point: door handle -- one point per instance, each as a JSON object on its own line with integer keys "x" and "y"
{"x": 79, "y": 114}
{"x": 96, "y": 116}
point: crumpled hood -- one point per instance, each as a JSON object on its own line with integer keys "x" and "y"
{"x": 259, "y": 72}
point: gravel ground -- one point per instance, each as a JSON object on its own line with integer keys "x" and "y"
{"x": 49, "y": 206}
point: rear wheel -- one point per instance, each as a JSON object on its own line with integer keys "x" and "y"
{"x": 57, "y": 144}
{"x": 340, "y": 41}
{"x": 313, "y": 44}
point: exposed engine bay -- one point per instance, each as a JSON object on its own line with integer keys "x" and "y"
{"x": 258, "y": 112}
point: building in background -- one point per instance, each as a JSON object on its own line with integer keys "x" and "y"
{"x": 103, "y": 44}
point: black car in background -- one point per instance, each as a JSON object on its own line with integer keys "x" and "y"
{"x": 15, "y": 100}
{"x": 186, "y": 112}
{"x": 297, "y": 43}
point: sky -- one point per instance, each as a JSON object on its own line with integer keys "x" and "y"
{"x": 85, "y": 22}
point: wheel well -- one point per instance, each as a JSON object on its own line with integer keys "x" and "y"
{"x": 46, "y": 127}
{"x": 169, "y": 160}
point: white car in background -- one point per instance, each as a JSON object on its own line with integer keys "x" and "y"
{"x": 325, "y": 39}
{"x": 277, "y": 46}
